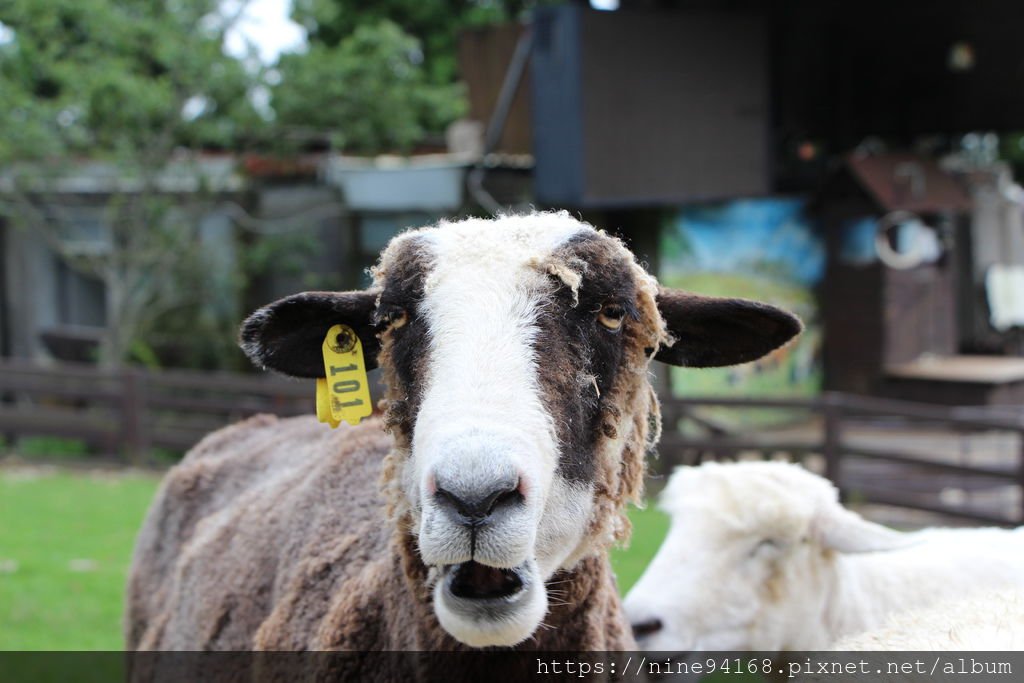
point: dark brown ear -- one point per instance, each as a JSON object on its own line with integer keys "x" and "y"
{"x": 288, "y": 335}
{"x": 712, "y": 332}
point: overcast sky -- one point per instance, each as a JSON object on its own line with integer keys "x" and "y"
{"x": 266, "y": 25}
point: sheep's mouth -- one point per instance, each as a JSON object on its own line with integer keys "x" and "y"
{"x": 484, "y": 606}
{"x": 474, "y": 581}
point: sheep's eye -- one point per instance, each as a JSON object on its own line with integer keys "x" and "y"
{"x": 392, "y": 317}
{"x": 611, "y": 316}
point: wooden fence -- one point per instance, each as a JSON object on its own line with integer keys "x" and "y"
{"x": 127, "y": 413}
{"x": 130, "y": 413}
{"x": 907, "y": 478}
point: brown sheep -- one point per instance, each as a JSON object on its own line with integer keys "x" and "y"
{"x": 517, "y": 416}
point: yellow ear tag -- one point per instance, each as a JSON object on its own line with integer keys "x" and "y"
{"x": 345, "y": 392}
{"x": 323, "y": 403}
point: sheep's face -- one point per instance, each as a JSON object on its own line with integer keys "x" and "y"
{"x": 515, "y": 353}
{"x": 749, "y": 560}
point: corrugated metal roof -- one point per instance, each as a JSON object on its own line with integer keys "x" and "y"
{"x": 908, "y": 182}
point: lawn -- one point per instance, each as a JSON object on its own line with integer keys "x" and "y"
{"x": 65, "y": 545}
{"x": 649, "y": 528}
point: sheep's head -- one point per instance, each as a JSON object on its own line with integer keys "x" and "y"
{"x": 515, "y": 352}
{"x": 748, "y": 562}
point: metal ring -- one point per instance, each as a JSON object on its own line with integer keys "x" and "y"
{"x": 886, "y": 254}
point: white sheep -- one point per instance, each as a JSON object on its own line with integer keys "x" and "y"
{"x": 762, "y": 556}
{"x": 518, "y": 413}
{"x": 986, "y": 621}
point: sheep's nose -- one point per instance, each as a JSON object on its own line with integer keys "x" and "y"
{"x": 474, "y": 505}
{"x": 647, "y": 627}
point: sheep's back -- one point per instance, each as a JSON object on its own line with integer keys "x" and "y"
{"x": 259, "y": 523}
{"x": 984, "y": 621}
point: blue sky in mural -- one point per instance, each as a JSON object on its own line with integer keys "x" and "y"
{"x": 760, "y": 236}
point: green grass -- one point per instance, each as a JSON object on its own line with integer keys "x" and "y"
{"x": 65, "y": 545}
{"x": 52, "y": 448}
{"x": 649, "y": 528}
{"x": 51, "y": 519}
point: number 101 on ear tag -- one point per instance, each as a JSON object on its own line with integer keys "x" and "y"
{"x": 344, "y": 392}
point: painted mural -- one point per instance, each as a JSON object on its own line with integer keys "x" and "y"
{"x": 763, "y": 249}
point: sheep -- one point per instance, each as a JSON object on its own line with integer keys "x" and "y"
{"x": 762, "y": 556}
{"x": 991, "y": 621}
{"x": 984, "y": 622}
{"x": 478, "y": 510}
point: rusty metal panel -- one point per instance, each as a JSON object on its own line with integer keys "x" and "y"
{"x": 484, "y": 56}
{"x": 650, "y": 107}
{"x": 909, "y": 182}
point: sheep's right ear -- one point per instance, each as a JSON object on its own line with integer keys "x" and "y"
{"x": 288, "y": 335}
{"x": 712, "y": 332}
{"x": 844, "y": 531}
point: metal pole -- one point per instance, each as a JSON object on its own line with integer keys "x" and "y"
{"x": 496, "y": 126}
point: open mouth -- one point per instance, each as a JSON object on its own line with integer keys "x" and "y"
{"x": 474, "y": 581}
{"x": 484, "y": 606}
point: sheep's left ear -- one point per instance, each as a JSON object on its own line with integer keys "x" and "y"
{"x": 288, "y": 335}
{"x": 844, "y": 531}
{"x": 712, "y": 332}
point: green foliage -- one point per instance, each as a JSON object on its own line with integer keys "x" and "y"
{"x": 141, "y": 87}
{"x": 1011, "y": 148}
{"x": 193, "y": 321}
{"x": 191, "y": 337}
{"x": 285, "y": 253}
{"x": 102, "y": 77}
{"x": 52, "y": 447}
{"x": 436, "y": 24}
{"x": 381, "y": 76}
{"x": 370, "y": 92}
{"x": 144, "y": 86}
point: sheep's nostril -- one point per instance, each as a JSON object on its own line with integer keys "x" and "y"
{"x": 648, "y": 627}
{"x": 504, "y": 498}
{"x": 472, "y": 508}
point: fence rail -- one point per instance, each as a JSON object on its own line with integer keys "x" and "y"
{"x": 867, "y": 473}
{"x": 128, "y": 412}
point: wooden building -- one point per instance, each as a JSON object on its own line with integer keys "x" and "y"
{"x": 894, "y": 320}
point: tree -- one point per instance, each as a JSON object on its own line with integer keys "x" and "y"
{"x": 368, "y": 94}
{"x": 380, "y": 76}
{"x": 436, "y": 24}
{"x": 125, "y": 93}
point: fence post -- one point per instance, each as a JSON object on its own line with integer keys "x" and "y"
{"x": 1020, "y": 475}
{"x": 132, "y": 438}
{"x": 831, "y": 448}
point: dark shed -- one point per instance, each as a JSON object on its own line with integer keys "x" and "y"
{"x": 890, "y": 318}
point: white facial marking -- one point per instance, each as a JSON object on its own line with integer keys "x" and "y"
{"x": 481, "y": 300}
{"x": 482, "y": 423}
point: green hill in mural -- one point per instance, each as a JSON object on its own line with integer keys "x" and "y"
{"x": 752, "y": 249}
{"x": 792, "y": 371}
